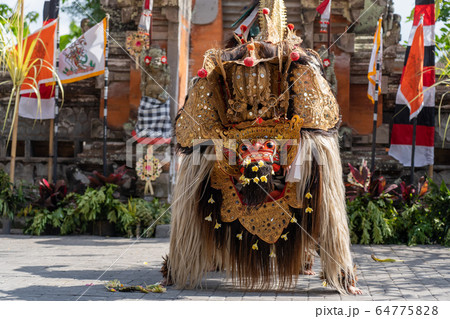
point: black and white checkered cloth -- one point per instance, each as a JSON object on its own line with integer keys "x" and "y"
{"x": 154, "y": 118}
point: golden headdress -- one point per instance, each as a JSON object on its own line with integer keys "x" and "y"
{"x": 263, "y": 82}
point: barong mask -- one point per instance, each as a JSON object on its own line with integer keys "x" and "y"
{"x": 259, "y": 108}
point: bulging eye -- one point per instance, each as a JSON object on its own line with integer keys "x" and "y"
{"x": 243, "y": 148}
{"x": 269, "y": 145}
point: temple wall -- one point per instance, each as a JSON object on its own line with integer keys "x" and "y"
{"x": 80, "y": 137}
{"x": 80, "y": 131}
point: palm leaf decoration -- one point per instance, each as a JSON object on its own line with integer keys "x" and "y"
{"x": 17, "y": 60}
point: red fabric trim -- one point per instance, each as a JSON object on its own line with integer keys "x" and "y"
{"x": 429, "y": 76}
{"x": 428, "y": 11}
{"x": 150, "y": 140}
{"x": 402, "y": 135}
{"x": 46, "y": 91}
{"x": 47, "y": 21}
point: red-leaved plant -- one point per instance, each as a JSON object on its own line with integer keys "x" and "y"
{"x": 411, "y": 193}
{"x": 360, "y": 183}
{"x": 117, "y": 178}
{"x": 51, "y": 194}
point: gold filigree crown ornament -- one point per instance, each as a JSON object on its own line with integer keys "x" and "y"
{"x": 261, "y": 82}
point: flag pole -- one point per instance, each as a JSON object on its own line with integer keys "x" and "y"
{"x": 375, "y": 118}
{"x": 55, "y": 121}
{"x": 430, "y": 171}
{"x": 105, "y": 99}
{"x": 413, "y": 149}
{"x": 50, "y": 150}
{"x": 48, "y": 15}
{"x": 329, "y": 36}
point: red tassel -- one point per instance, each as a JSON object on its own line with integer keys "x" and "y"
{"x": 265, "y": 11}
{"x": 290, "y": 26}
{"x": 243, "y": 28}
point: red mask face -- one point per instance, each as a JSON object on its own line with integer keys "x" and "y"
{"x": 258, "y": 150}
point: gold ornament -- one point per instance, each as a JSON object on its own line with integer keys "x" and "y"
{"x": 136, "y": 43}
{"x": 148, "y": 169}
{"x": 267, "y": 221}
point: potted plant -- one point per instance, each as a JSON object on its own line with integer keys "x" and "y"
{"x": 52, "y": 213}
{"x": 102, "y": 207}
{"x": 12, "y": 199}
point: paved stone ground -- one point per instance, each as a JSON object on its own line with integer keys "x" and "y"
{"x": 61, "y": 268}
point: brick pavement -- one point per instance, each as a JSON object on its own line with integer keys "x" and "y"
{"x": 61, "y": 268}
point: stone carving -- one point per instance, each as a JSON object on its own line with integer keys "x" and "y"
{"x": 155, "y": 74}
{"x": 330, "y": 75}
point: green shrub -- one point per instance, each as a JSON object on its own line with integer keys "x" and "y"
{"x": 13, "y": 198}
{"x": 148, "y": 215}
{"x": 417, "y": 215}
{"x": 370, "y": 221}
{"x": 438, "y": 206}
{"x": 101, "y": 205}
{"x": 61, "y": 220}
{"x": 370, "y": 207}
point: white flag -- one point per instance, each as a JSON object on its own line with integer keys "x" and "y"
{"x": 377, "y": 56}
{"x": 85, "y": 57}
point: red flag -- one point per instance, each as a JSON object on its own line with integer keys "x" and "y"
{"x": 411, "y": 85}
{"x": 45, "y": 50}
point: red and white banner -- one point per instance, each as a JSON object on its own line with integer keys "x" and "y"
{"x": 325, "y": 11}
{"x": 407, "y": 105}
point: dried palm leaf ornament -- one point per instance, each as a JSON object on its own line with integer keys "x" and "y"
{"x": 260, "y": 186}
